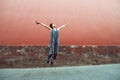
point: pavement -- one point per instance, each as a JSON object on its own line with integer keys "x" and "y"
{"x": 97, "y": 72}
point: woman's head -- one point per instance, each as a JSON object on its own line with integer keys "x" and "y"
{"x": 52, "y": 25}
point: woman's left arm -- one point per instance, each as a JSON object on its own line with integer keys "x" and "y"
{"x": 62, "y": 26}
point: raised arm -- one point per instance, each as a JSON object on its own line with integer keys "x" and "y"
{"x": 44, "y": 25}
{"x": 62, "y": 26}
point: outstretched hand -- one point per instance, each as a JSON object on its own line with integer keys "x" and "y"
{"x": 67, "y": 24}
{"x": 37, "y": 22}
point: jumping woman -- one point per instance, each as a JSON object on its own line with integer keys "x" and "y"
{"x": 54, "y": 40}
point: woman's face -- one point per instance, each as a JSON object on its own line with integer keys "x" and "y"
{"x": 53, "y": 25}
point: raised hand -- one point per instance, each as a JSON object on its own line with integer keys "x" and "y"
{"x": 37, "y": 22}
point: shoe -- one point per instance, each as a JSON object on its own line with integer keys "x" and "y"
{"x": 47, "y": 61}
{"x": 51, "y": 62}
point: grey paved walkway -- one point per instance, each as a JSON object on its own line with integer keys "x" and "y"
{"x": 100, "y": 72}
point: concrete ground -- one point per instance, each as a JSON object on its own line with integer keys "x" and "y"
{"x": 98, "y": 72}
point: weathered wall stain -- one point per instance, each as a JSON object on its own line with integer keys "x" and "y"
{"x": 35, "y": 56}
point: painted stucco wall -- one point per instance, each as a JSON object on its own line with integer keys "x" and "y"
{"x": 90, "y": 21}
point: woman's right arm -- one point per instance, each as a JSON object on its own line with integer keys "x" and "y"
{"x": 44, "y": 25}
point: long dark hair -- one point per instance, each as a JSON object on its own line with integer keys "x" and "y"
{"x": 51, "y": 25}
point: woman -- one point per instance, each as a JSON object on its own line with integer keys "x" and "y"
{"x": 54, "y": 40}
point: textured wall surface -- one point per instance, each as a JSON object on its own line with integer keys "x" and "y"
{"x": 35, "y": 56}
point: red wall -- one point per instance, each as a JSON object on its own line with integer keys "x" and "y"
{"x": 90, "y": 21}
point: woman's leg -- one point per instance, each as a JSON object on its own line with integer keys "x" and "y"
{"x": 48, "y": 58}
{"x": 51, "y": 52}
{"x": 56, "y": 49}
{"x": 56, "y": 45}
